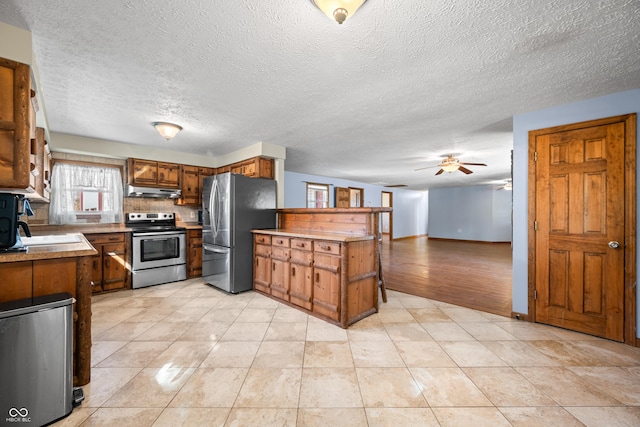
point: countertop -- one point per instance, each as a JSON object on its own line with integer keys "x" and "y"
{"x": 53, "y": 251}
{"x": 312, "y": 234}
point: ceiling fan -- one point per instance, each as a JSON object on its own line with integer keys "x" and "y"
{"x": 452, "y": 164}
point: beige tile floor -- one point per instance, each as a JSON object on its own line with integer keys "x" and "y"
{"x": 186, "y": 354}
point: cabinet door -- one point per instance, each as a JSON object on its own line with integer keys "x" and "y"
{"x": 15, "y": 141}
{"x": 326, "y": 285}
{"x": 262, "y": 268}
{"x": 202, "y": 174}
{"x": 16, "y": 280}
{"x": 194, "y": 256}
{"x": 280, "y": 271}
{"x": 51, "y": 276}
{"x": 237, "y": 168}
{"x": 96, "y": 270}
{"x": 266, "y": 168}
{"x": 190, "y": 186}
{"x": 169, "y": 175}
{"x": 301, "y": 286}
{"x": 249, "y": 168}
{"x": 114, "y": 272}
{"x": 142, "y": 172}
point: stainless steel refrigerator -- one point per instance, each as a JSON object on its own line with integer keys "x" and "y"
{"x": 232, "y": 206}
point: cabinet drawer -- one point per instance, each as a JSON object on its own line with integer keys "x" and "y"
{"x": 281, "y": 254}
{"x": 301, "y": 244}
{"x": 280, "y": 241}
{"x": 326, "y": 247}
{"x": 301, "y": 257}
{"x": 264, "y": 239}
{"x": 105, "y": 238}
{"x": 263, "y": 250}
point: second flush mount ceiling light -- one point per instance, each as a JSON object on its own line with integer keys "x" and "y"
{"x": 338, "y": 10}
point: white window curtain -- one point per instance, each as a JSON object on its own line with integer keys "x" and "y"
{"x": 69, "y": 180}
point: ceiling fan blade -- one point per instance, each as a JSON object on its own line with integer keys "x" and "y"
{"x": 472, "y": 164}
{"x": 426, "y": 167}
{"x": 440, "y": 171}
{"x": 464, "y": 170}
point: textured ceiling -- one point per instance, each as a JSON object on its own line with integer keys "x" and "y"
{"x": 393, "y": 89}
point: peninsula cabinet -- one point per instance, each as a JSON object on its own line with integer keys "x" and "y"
{"x": 149, "y": 173}
{"x": 332, "y": 277}
{"x": 109, "y": 266}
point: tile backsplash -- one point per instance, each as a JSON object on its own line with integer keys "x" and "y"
{"x": 131, "y": 204}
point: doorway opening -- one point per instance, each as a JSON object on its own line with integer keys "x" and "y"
{"x": 387, "y": 217}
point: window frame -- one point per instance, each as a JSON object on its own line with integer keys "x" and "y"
{"x": 324, "y": 190}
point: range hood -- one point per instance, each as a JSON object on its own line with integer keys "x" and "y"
{"x": 165, "y": 193}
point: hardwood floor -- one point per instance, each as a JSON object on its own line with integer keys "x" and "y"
{"x": 469, "y": 274}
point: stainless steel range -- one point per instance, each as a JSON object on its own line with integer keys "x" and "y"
{"x": 159, "y": 249}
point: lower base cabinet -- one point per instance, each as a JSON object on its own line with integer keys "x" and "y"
{"x": 109, "y": 270}
{"x": 333, "y": 280}
{"x": 194, "y": 253}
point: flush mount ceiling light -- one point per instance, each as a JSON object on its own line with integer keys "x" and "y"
{"x": 338, "y": 10}
{"x": 167, "y": 130}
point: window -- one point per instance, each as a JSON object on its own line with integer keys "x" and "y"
{"x": 317, "y": 195}
{"x": 85, "y": 193}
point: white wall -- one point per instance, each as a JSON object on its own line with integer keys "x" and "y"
{"x": 481, "y": 213}
{"x": 410, "y": 208}
{"x": 605, "y": 106}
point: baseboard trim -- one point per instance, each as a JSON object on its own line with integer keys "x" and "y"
{"x": 520, "y": 316}
{"x": 467, "y": 241}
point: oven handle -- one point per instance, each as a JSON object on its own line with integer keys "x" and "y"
{"x": 163, "y": 234}
{"x": 215, "y": 249}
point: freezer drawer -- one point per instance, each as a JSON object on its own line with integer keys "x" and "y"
{"x": 216, "y": 266}
{"x": 35, "y": 360}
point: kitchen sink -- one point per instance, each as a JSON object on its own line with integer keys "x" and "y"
{"x": 52, "y": 239}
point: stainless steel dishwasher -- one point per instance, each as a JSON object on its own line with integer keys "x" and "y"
{"x": 36, "y": 360}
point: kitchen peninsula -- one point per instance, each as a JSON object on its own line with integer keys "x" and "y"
{"x": 60, "y": 264}
{"x": 322, "y": 261}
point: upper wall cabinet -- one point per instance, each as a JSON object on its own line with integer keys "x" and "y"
{"x": 149, "y": 173}
{"x": 256, "y": 167}
{"x": 15, "y": 127}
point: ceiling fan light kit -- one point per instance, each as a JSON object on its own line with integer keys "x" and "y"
{"x": 451, "y": 164}
{"x": 338, "y": 10}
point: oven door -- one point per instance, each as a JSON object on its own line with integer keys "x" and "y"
{"x": 158, "y": 249}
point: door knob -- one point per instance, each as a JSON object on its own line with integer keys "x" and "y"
{"x": 614, "y": 245}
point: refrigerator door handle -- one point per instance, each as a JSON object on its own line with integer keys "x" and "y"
{"x": 215, "y": 249}
{"x": 212, "y": 212}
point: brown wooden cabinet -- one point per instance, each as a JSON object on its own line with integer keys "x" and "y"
{"x": 149, "y": 173}
{"x": 301, "y": 284}
{"x": 262, "y": 263}
{"x": 109, "y": 266}
{"x": 194, "y": 253}
{"x": 326, "y": 284}
{"x": 280, "y": 267}
{"x": 190, "y": 186}
{"x": 17, "y": 126}
{"x": 335, "y": 280}
{"x": 256, "y": 167}
{"x": 41, "y": 168}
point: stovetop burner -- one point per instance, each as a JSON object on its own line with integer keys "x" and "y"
{"x": 151, "y": 222}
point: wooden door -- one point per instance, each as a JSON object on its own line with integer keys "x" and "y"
{"x": 301, "y": 286}
{"x": 579, "y": 227}
{"x": 326, "y": 285}
{"x": 342, "y": 197}
{"x": 114, "y": 272}
{"x": 96, "y": 269}
{"x": 280, "y": 273}
{"x": 262, "y": 268}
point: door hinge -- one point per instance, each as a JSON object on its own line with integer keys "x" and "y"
{"x": 535, "y": 156}
{"x": 535, "y": 225}
{"x": 535, "y": 294}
